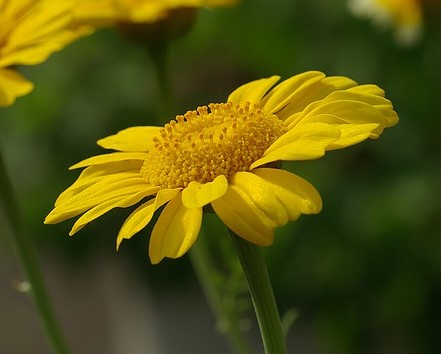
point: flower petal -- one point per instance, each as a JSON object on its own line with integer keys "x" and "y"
{"x": 252, "y": 91}
{"x": 38, "y": 30}
{"x": 290, "y": 90}
{"x": 12, "y": 85}
{"x": 304, "y": 142}
{"x": 94, "y": 174}
{"x": 131, "y": 139}
{"x": 175, "y": 231}
{"x": 374, "y": 96}
{"x": 250, "y": 209}
{"x": 106, "y": 188}
{"x": 112, "y": 157}
{"x": 104, "y": 207}
{"x": 313, "y": 90}
{"x": 143, "y": 214}
{"x": 297, "y": 195}
{"x": 97, "y": 194}
{"x": 349, "y": 114}
{"x": 344, "y": 103}
{"x": 197, "y": 195}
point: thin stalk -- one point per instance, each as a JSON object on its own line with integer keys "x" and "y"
{"x": 226, "y": 317}
{"x": 159, "y": 53}
{"x": 261, "y": 291}
{"x": 27, "y": 258}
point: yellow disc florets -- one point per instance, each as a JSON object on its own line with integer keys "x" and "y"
{"x": 220, "y": 139}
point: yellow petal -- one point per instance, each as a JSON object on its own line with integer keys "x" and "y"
{"x": 94, "y": 174}
{"x": 250, "y": 209}
{"x": 197, "y": 195}
{"x": 134, "y": 139}
{"x": 104, "y": 190}
{"x": 368, "y": 89}
{"x": 313, "y": 91}
{"x": 253, "y": 91}
{"x": 175, "y": 231}
{"x": 143, "y": 214}
{"x": 351, "y": 114}
{"x": 104, "y": 207}
{"x": 292, "y": 89}
{"x": 297, "y": 195}
{"x": 38, "y": 30}
{"x": 353, "y": 134}
{"x": 74, "y": 206}
{"x": 12, "y": 85}
{"x": 112, "y": 157}
{"x": 303, "y": 142}
{"x": 344, "y": 104}
{"x": 374, "y": 96}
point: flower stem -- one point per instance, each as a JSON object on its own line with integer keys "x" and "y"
{"x": 259, "y": 284}
{"x": 27, "y": 258}
{"x": 228, "y": 320}
{"x": 158, "y": 50}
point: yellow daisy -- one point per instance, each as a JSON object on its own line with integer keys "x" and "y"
{"x": 226, "y": 155}
{"x": 404, "y": 16}
{"x": 107, "y": 12}
{"x": 30, "y": 31}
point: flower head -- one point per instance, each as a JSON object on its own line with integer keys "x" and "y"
{"x": 31, "y": 30}
{"x": 404, "y": 16}
{"x": 108, "y": 12}
{"x": 226, "y": 155}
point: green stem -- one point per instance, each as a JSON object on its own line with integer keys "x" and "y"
{"x": 226, "y": 316}
{"x": 254, "y": 267}
{"x": 159, "y": 54}
{"x": 27, "y": 258}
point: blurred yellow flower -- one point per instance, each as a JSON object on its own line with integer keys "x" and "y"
{"x": 108, "y": 12}
{"x": 30, "y": 31}
{"x": 227, "y": 155}
{"x": 405, "y": 16}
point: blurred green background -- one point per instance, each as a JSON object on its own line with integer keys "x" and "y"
{"x": 364, "y": 276}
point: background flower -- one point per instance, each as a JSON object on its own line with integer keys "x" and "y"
{"x": 31, "y": 30}
{"x": 404, "y": 16}
{"x": 107, "y": 12}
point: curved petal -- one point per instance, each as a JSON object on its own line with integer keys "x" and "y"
{"x": 112, "y": 157}
{"x": 197, "y": 195}
{"x": 351, "y": 114}
{"x": 95, "y": 195}
{"x": 250, "y": 209}
{"x": 103, "y": 190}
{"x": 94, "y": 174}
{"x": 12, "y": 85}
{"x": 134, "y": 139}
{"x": 313, "y": 90}
{"x": 353, "y": 134}
{"x": 304, "y": 142}
{"x": 345, "y": 103}
{"x": 374, "y": 96}
{"x": 143, "y": 214}
{"x": 40, "y": 29}
{"x": 290, "y": 90}
{"x": 252, "y": 91}
{"x": 175, "y": 231}
{"x": 102, "y": 208}
{"x": 296, "y": 195}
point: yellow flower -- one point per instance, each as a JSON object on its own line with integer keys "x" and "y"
{"x": 30, "y": 31}
{"x": 405, "y": 16}
{"x": 107, "y": 12}
{"x": 226, "y": 155}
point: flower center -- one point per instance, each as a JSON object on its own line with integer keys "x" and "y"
{"x": 220, "y": 139}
